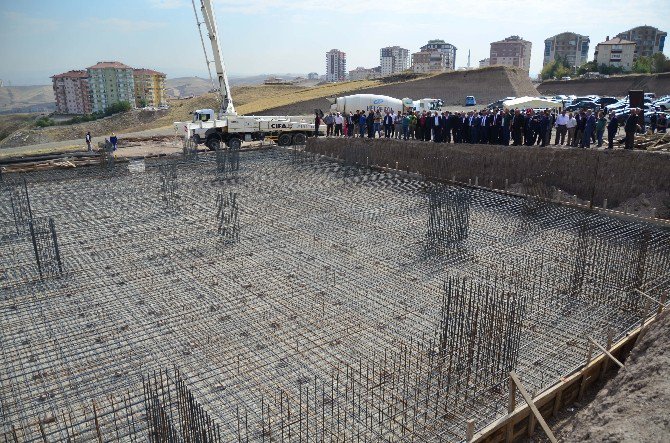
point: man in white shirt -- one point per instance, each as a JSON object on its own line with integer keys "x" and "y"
{"x": 571, "y": 125}
{"x": 339, "y": 120}
{"x": 561, "y": 127}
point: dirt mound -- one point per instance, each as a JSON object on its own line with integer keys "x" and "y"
{"x": 633, "y": 406}
{"x": 486, "y": 84}
{"x": 615, "y": 86}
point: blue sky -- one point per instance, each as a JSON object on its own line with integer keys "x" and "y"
{"x": 39, "y": 38}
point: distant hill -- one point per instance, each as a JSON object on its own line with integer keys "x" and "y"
{"x": 19, "y": 99}
{"x": 187, "y": 86}
{"x": 195, "y": 86}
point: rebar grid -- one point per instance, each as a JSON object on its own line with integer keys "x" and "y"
{"x": 318, "y": 323}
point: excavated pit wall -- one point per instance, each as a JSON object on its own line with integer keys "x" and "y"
{"x": 592, "y": 175}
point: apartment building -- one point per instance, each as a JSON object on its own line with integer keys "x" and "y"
{"x": 149, "y": 88}
{"x": 336, "y": 65}
{"x": 110, "y": 82}
{"x": 72, "y": 92}
{"x": 427, "y": 62}
{"x": 648, "y": 40}
{"x": 569, "y": 46}
{"x": 512, "y": 51}
{"x": 393, "y": 59}
{"x": 616, "y": 52}
{"x": 445, "y": 48}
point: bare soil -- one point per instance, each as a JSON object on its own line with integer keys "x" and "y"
{"x": 634, "y": 405}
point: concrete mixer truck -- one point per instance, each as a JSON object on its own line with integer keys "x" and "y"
{"x": 382, "y": 103}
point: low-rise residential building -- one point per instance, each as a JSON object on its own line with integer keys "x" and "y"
{"x": 512, "y": 51}
{"x": 111, "y": 82}
{"x": 393, "y": 59}
{"x": 149, "y": 88}
{"x": 615, "y": 52}
{"x": 484, "y": 63}
{"x": 648, "y": 40}
{"x": 362, "y": 73}
{"x": 72, "y": 92}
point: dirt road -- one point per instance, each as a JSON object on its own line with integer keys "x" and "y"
{"x": 73, "y": 145}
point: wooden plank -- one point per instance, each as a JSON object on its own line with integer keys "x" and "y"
{"x": 532, "y": 407}
{"x": 470, "y": 432}
{"x": 607, "y": 352}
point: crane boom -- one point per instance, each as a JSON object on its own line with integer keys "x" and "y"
{"x": 227, "y": 107}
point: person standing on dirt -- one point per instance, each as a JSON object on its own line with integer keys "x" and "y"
{"x": 612, "y": 129}
{"x": 329, "y": 120}
{"x": 662, "y": 123}
{"x": 653, "y": 120}
{"x": 88, "y": 141}
{"x": 317, "y": 123}
{"x": 114, "y": 141}
{"x": 362, "y": 124}
{"x": 517, "y": 127}
{"x": 370, "y": 122}
{"x": 600, "y": 128}
{"x": 561, "y": 128}
{"x": 571, "y": 127}
{"x": 631, "y": 127}
{"x": 589, "y": 127}
{"x": 339, "y": 121}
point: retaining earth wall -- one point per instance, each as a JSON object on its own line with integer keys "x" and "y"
{"x": 592, "y": 175}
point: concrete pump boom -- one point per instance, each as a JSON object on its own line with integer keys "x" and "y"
{"x": 227, "y": 107}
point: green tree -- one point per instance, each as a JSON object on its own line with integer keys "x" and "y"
{"x": 591, "y": 66}
{"x": 659, "y": 63}
{"x": 642, "y": 65}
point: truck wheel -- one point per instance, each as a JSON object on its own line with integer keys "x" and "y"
{"x": 299, "y": 139}
{"x": 234, "y": 143}
{"x": 284, "y": 140}
{"x": 213, "y": 142}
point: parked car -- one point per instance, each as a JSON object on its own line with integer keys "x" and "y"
{"x": 584, "y": 104}
{"x": 470, "y": 101}
{"x": 664, "y": 105}
{"x": 604, "y": 101}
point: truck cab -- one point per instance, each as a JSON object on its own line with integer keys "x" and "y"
{"x": 203, "y": 115}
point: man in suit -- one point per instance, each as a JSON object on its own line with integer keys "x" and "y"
{"x": 455, "y": 124}
{"x": 475, "y": 122}
{"x": 612, "y": 128}
{"x": 505, "y": 127}
{"x": 589, "y": 127}
{"x": 484, "y": 127}
{"x": 631, "y": 126}
{"x": 388, "y": 124}
{"x": 517, "y": 127}
{"x": 496, "y": 124}
{"x": 370, "y": 123}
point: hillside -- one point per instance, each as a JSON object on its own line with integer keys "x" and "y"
{"x": 486, "y": 84}
{"x": 17, "y": 99}
{"x": 187, "y": 86}
{"x": 615, "y": 86}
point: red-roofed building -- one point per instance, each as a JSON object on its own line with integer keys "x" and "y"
{"x": 149, "y": 88}
{"x": 72, "y": 92}
{"x": 110, "y": 82}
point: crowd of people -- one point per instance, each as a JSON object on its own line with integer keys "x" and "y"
{"x": 498, "y": 126}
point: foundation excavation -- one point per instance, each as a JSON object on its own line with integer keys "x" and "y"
{"x": 279, "y": 295}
